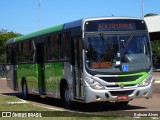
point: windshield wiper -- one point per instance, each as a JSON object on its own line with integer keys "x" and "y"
{"x": 110, "y": 46}
{"x": 128, "y": 41}
{"x": 105, "y": 41}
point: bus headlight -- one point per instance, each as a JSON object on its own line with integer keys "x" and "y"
{"x": 146, "y": 82}
{"x": 94, "y": 84}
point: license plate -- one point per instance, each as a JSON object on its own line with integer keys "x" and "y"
{"x": 122, "y": 97}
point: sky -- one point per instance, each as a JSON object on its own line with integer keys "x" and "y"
{"x": 21, "y": 16}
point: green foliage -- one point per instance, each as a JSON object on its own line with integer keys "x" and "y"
{"x": 150, "y": 14}
{"x": 156, "y": 49}
{"x": 4, "y": 36}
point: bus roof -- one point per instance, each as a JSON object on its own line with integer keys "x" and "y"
{"x": 60, "y": 27}
{"x": 46, "y": 31}
{"x": 108, "y": 18}
{"x": 39, "y": 33}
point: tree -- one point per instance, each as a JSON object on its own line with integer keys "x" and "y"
{"x": 156, "y": 52}
{"x": 150, "y": 14}
{"x": 4, "y": 36}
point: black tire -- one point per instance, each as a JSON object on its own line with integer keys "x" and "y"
{"x": 66, "y": 100}
{"x": 25, "y": 90}
{"x": 122, "y": 104}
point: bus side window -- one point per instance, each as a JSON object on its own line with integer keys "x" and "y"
{"x": 8, "y": 54}
{"x": 32, "y": 51}
{"x": 80, "y": 52}
{"x": 77, "y": 52}
{"x": 25, "y": 51}
{"x": 14, "y": 54}
{"x": 47, "y": 45}
{"x": 64, "y": 46}
{"x": 55, "y": 47}
{"x": 19, "y": 52}
{"x": 22, "y": 51}
{"x": 49, "y": 48}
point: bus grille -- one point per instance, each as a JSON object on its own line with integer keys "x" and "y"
{"x": 121, "y": 79}
{"x": 118, "y": 93}
{"x": 130, "y": 85}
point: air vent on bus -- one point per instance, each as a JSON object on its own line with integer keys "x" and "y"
{"x": 120, "y": 79}
{"x": 118, "y": 93}
{"x": 130, "y": 85}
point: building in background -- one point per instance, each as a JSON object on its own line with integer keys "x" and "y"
{"x": 153, "y": 23}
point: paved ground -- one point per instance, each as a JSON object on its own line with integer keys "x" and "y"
{"x": 3, "y": 86}
{"x": 156, "y": 76}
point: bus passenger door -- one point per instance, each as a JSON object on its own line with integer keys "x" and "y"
{"x": 14, "y": 68}
{"x": 77, "y": 71}
{"x": 40, "y": 61}
{"x": 11, "y": 70}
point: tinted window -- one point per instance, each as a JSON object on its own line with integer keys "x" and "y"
{"x": 53, "y": 48}
{"x": 8, "y": 54}
{"x": 64, "y": 46}
{"x": 25, "y": 51}
{"x": 32, "y": 51}
{"x": 19, "y": 52}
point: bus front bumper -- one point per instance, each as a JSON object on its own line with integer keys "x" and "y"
{"x": 113, "y": 95}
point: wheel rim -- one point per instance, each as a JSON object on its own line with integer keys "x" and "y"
{"x": 24, "y": 90}
{"x": 67, "y": 95}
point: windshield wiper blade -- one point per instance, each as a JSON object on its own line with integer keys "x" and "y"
{"x": 128, "y": 41}
{"x": 105, "y": 41}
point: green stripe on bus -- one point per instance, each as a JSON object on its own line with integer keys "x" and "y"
{"x": 41, "y": 32}
{"x": 137, "y": 81}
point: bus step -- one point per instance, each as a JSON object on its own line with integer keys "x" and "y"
{"x": 43, "y": 96}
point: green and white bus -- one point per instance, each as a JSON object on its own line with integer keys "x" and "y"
{"x": 88, "y": 60}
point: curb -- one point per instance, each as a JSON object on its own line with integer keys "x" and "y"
{"x": 156, "y": 70}
{"x": 157, "y": 81}
{"x": 2, "y": 78}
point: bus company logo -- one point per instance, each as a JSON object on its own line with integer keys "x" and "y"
{"x": 122, "y": 85}
{"x": 6, "y": 114}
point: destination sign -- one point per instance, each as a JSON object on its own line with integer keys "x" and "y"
{"x": 115, "y": 25}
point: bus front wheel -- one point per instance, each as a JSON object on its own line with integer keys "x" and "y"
{"x": 66, "y": 99}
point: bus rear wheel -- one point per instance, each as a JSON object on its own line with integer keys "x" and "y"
{"x": 24, "y": 90}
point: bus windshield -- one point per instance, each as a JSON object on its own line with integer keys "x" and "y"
{"x": 117, "y": 52}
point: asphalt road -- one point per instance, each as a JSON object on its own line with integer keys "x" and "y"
{"x": 137, "y": 105}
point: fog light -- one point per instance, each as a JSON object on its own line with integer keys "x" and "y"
{"x": 137, "y": 93}
{"x": 106, "y": 94}
{"x": 98, "y": 97}
{"x": 144, "y": 94}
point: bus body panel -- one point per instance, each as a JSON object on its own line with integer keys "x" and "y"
{"x": 28, "y": 73}
{"x": 69, "y": 77}
{"x": 53, "y": 76}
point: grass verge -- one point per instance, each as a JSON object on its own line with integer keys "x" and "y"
{"x": 23, "y": 110}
